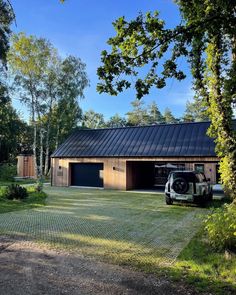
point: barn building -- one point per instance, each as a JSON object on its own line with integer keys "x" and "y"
{"x": 133, "y": 157}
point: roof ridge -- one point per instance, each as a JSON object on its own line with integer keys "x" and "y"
{"x": 142, "y": 126}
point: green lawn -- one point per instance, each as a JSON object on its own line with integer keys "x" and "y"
{"x": 134, "y": 229}
{"x": 20, "y": 182}
{"x": 34, "y": 200}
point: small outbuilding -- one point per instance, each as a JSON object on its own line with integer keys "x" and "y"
{"x": 133, "y": 157}
{"x": 25, "y": 166}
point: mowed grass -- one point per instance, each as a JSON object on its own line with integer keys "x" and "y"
{"x": 121, "y": 227}
{"x": 127, "y": 228}
{"x": 33, "y": 201}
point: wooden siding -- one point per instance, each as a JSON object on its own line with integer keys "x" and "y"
{"x": 118, "y": 174}
{"x": 25, "y": 166}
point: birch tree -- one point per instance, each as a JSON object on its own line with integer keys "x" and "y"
{"x": 28, "y": 59}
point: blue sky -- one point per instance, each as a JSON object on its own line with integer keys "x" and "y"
{"x": 81, "y": 28}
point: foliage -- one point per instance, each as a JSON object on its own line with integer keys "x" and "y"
{"x": 11, "y": 127}
{"x": 29, "y": 59}
{"x": 195, "y": 111}
{"x": 138, "y": 116}
{"x": 142, "y": 115}
{"x": 155, "y": 116}
{"x": 3, "y": 191}
{"x": 34, "y": 200}
{"x": 6, "y": 18}
{"x": 93, "y": 120}
{"x": 208, "y": 271}
{"x": 7, "y": 171}
{"x": 168, "y": 116}
{"x": 39, "y": 185}
{"x": 71, "y": 80}
{"x": 50, "y": 86}
{"x": 16, "y": 192}
{"x": 116, "y": 121}
{"x": 206, "y": 37}
{"x": 221, "y": 228}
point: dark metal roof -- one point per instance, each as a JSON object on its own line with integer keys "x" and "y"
{"x": 163, "y": 140}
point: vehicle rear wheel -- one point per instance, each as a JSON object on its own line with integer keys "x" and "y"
{"x": 169, "y": 201}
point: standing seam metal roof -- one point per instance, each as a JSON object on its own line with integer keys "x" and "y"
{"x": 163, "y": 140}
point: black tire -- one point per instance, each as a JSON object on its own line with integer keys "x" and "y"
{"x": 203, "y": 201}
{"x": 169, "y": 201}
{"x": 210, "y": 196}
{"x": 180, "y": 185}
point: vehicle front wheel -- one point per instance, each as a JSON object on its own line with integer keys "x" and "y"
{"x": 169, "y": 201}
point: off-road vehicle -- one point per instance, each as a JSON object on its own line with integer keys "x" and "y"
{"x": 188, "y": 186}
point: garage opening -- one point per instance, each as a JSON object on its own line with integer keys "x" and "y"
{"x": 87, "y": 174}
{"x": 149, "y": 175}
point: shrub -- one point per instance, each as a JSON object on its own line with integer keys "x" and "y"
{"x": 3, "y": 191}
{"x": 38, "y": 196}
{"x": 7, "y": 171}
{"x": 39, "y": 185}
{"x": 221, "y": 228}
{"x": 17, "y": 192}
{"x": 31, "y": 188}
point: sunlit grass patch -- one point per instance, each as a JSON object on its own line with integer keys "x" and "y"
{"x": 205, "y": 268}
{"x": 138, "y": 230}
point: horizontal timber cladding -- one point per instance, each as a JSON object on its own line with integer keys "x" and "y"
{"x": 114, "y": 171}
{"x": 117, "y": 172}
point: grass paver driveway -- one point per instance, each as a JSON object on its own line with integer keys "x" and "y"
{"x": 138, "y": 229}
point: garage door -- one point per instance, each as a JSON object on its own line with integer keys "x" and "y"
{"x": 87, "y": 174}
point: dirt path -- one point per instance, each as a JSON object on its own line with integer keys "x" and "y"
{"x": 27, "y": 268}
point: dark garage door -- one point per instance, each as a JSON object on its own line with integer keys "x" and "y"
{"x": 87, "y": 174}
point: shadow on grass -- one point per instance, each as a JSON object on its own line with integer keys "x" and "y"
{"x": 41, "y": 271}
{"x": 135, "y": 230}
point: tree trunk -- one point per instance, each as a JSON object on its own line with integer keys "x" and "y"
{"x": 46, "y": 165}
{"x": 41, "y": 153}
{"x": 34, "y": 142}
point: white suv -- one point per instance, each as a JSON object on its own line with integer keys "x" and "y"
{"x": 188, "y": 186}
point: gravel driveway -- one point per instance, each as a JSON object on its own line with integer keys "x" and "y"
{"x": 27, "y": 269}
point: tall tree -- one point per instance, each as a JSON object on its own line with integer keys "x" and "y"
{"x": 93, "y": 120}
{"x": 11, "y": 127}
{"x": 155, "y": 115}
{"x": 72, "y": 80}
{"x": 138, "y": 116}
{"x": 169, "y": 117}
{"x": 206, "y": 36}
{"x": 116, "y": 121}
{"x": 195, "y": 111}
{"x": 64, "y": 86}
{"x": 29, "y": 58}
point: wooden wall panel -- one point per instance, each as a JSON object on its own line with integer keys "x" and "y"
{"x": 118, "y": 175}
{"x": 25, "y": 166}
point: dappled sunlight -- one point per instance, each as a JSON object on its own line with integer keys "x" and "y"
{"x": 97, "y": 217}
{"x": 135, "y": 229}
